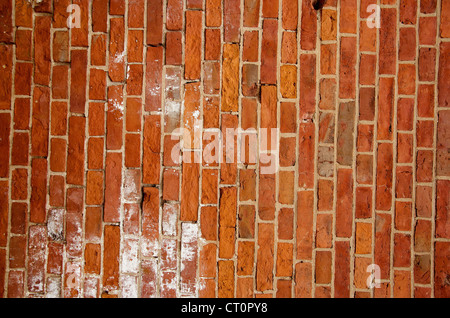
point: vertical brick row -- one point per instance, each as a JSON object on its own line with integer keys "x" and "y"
{"x": 325, "y": 191}
{"x": 210, "y": 112}
{"x": 287, "y": 149}
{"x": 441, "y": 187}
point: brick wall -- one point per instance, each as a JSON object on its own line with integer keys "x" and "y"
{"x": 107, "y": 109}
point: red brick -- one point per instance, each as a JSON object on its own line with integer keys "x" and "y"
{"x": 94, "y": 188}
{"x": 113, "y": 177}
{"x": 246, "y": 221}
{"x": 55, "y": 258}
{"x": 307, "y": 86}
{"x": 342, "y": 270}
{"x": 290, "y": 14}
{"x": 56, "y": 190}
{"x": 408, "y": 11}
{"x": 288, "y": 47}
{"x": 303, "y": 280}
{"x": 251, "y": 13}
{"x": 42, "y": 57}
{"x": 189, "y": 192}
{"x": 445, "y": 21}
{"x": 207, "y": 261}
{"x": 92, "y": 257}
{"x": 422, "y": 269}
{"x": 269, "y": 52}
{"x": 405, "y": 112}
{"x": 284, "y": 288}
{"x": 174, "y": 15}
{"x": 444, "y": 73}
{"x": 171, "y": 185}
{"x": 40, "y": 121}
{"x": 427, "y": 30}
{"x": 15, "y": 284}
{"x": 284, "y": 259}
{"x": 402, "y": 250}
{"x": 404, "y": 148}
{"x": 22, "y": 81}
{"x": 111, "y": 257}
{"x": 132, "y": 150}
{"x": 407, "y": 44}
{"x": 407, "y": 79}
{"x": 347, "y": 77}
{"x": 428, "y": 6}
{"x": 117, "y": 55}
{"x": 442, "y": 208}
{"x": 58, "y": 154}
{"x": 403, "y": 186}
{"x": 304, "y": 228}
{"x": 17, "y": 251}
{"x": 269, "y": 9}
{"x": 23, "y": 14}
{"x": 286, "y": 224}
{"x": 363, "y": 204}
{"x": 267, "y": 199}
{"x": 427, "y": 62}
{"x": 424, "y": 166}
{"x": 136, "y": 11}
{"x": 325, "y": 195}
{"x": 344, "y": 203}
{"x": 442, "y": 268}
{"x": 265, "y": 257}
{"x": 99, "y": 15}
{"x": 153, "y": 82}
{"x": 20, "y": 141}
{"x": 19, "y": 181}
{"x": 348, "y": 16}
{"x": 306, "y": 155}
{"x": 95, "y": 153}
{"x": 345, "y": 133}
{"x": 189, "y": 247}
{"x": 80, "y": 34}
{"x": 151, "y": 149}
{"x": 387, "y": 56}
{"x": 39, "y": 193}
{"x": 6, "y": 76}
{"x": 21, "y": 114}
{"x": 212, "y": 44}
{"x": 60, "y": 85}
{"x": 61, "y": 46}
{"x": 382, "y": 243}
{"x": 324, "y": 226}
{"x": 308, "y": 26}
{"x": 98, "y": 49}
{"x": 193, "y": 45}
{"x": 114, "y": 117}
{"x": 155, "y": 22}
{"x": 93, "y": 223}
{"x": 6, "y": 26}
{"x": 213, "y": 14}
{"x": 323, "y": 267}
{"x": 173, "y": 48}
{"x": 18, "y": 213}
{"x": 424, "y": 201}
{"x": 402, "y": 284}
{"x": 36, "y": 258}
{"x": 403, "y": 215}
{"x": 78, "y": 81}
{"x": 443, "y": 144}
{"x": 97, "y": 84}
{"x": 225, "y": 279}
{"x": 385, "y": 105}
{"x": 364, "y": 140}
{"x": 75, "y": 152}
{"x": 74, "y": 221}
{"x": 245, "y": 254}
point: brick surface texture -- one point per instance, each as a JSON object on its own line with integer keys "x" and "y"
{"x": 106, "y": 108}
